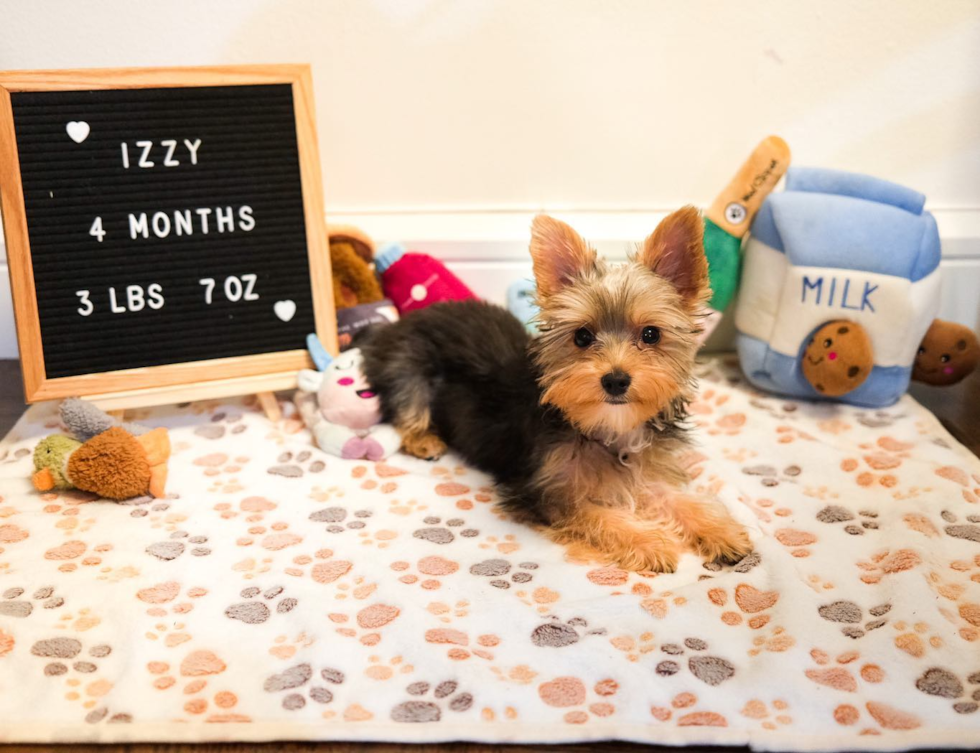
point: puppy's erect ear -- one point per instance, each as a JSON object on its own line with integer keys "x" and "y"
{"x": 559, "y": 254}
{"x": 675, "y": 251}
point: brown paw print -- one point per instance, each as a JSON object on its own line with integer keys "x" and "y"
{"x": 102, "y": 714}
{"x": 171, "y": 550}
{"x": 879, "y": 419}
{"x": 836, "y": 514}
{"x": 558, "y": 634}
{"x": 439, "y": 533}
{"x": 255, "y": 612}
{"x": 12, "y": 605}
{"x": 291, "y": 465}
{"x": 968, "y": 531}
{"x": 336, "y": 519}
{"x": 497, "y": 569}
{"x": 297, "y": 677}
{"x": 850, "y": 615}
{"x": 64, "y": 650}
{"x": 946, "y": 684}
{"x": 770, "y": 476}
{"x": 444, "y": 695}
{"x": 221, "y": 424}
{"x": 712, "y": 670}
{"x": 144, "y": 507}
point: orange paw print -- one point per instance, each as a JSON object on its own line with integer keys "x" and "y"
{"x": 460, "y": 644}
{"x": 683, "y": 701}
{"x": 841, "y": 676}
{"x": 912, "y": 639}
{"x": 430, "y": 568}
{"x": 370, "y": 620}
{"x": 770, "y": 720}
{"x": 887, "y": 562}
{"x": 571, "y": 692}
{"x": 384, "y": 670}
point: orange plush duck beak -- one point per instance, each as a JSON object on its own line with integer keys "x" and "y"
{"x": 43, "y": 480}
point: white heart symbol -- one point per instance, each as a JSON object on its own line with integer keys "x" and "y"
{"x": 285, "y": 310}
{"x": 78, "y": 131}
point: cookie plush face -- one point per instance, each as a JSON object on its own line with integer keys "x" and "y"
{"x": 838, "y": 358}
{"x": 948, "y": 352}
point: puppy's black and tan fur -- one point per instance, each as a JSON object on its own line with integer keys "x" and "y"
{"x": 580, "y": 427}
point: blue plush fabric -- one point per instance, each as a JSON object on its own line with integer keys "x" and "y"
{"x": 520, "y": 302}
{"x": 830, "y": 219}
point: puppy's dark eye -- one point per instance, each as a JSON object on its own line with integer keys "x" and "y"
{"x": 584, "y": 338}
{"x": 828, "y": 342}
{"x": 651, "y": 335}
{"x": 944, "y": 358}
{"x": 921, "y": 351}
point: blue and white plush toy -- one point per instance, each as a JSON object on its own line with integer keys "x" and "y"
{"x": 840, "y": 284}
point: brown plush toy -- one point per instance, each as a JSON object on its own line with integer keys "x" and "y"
{"x": 838, "y": 358}
{"x": 947, "y": 354}
{"x": 351, "y": 253}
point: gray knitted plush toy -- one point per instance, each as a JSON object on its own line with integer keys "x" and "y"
{"x": 84, "y": 421}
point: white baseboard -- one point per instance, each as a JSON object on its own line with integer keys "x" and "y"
{"x": 487, "y": 248}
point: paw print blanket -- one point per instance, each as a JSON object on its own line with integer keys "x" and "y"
{"x": 280, "y": 593}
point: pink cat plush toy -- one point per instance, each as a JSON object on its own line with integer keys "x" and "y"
{"x": 340, "y": 409}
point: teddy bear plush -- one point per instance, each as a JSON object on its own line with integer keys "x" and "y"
{"x": 351, "y": 254}
{"x": 341, "y": 410}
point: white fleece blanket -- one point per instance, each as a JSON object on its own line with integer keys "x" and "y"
{"x": 281, "y": 593}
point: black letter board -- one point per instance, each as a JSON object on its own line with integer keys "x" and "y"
{"x": 166, "y": 225}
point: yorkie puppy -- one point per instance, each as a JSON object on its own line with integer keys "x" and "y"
{"x": 580, "y": 427}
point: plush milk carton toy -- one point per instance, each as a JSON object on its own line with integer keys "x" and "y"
{"x": 840, "y": 285}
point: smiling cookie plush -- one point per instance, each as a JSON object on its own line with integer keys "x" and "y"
{"x": 838, "y": 358}
{"x": 948, "y": 353}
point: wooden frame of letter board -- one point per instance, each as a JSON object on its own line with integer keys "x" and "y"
{"x": 178, "y": 382}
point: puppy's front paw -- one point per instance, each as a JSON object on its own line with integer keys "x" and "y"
{"x": 727, "y": 543}
{"x": 643, "y": 555}
{"x": 425, "y": 446}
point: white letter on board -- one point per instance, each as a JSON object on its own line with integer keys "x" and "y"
{"x": 226, "y": 219}
{"x": 192, "y": 148}
{"x": 125, "y": 154}
{"x": 147, "y": 146}
{"x": 138, "y": 226}
{"x": 245, "y": 219}
{"x": 155, "y": 293}
{"x": 134, "y": 297}
{"x": 182, "y": 222}
{"x": 203, "y": 214}
{"x": 161, "y": 224}
{"x": 169, "y": 160}
{"x": 116, "y": 308}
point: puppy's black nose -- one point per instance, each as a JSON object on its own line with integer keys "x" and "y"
{"x": 615, "y": 383}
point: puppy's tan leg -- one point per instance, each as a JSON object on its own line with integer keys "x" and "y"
{"x": 418, "y": 438}
{"x": 618, "y": 536}
{"x": 707, "y": 526}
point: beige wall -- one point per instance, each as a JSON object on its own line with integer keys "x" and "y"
{"x": 585, "y": 104}
{"x": 445, "y": 123}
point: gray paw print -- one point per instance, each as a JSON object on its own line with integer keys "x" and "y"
{"x": 712, "y": 670}
{"x": 13, "y": 606}
{"x": 838, "y": 514}
{"x": 441, "y": 534}
{"x": 290, "y": 465}
{"x": 335, "y": 517}
{"x": 65, "y": 650}
{"x": 498, "y": 568}
{"x": 558, "y": 634}
{"x": 219, "y": 426}
{"x": 945, "y": 684}
{"x": 968, "y": 531}
{"x": 850, "y": 615}
{"x": 771, "y": 476}
{"x": 255, "y": 612}
{"x": 748, "y": 562}
{"x": 296, "y": 677}
{"x": 430, "y": 711}
{"x": 171, "y": 550}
